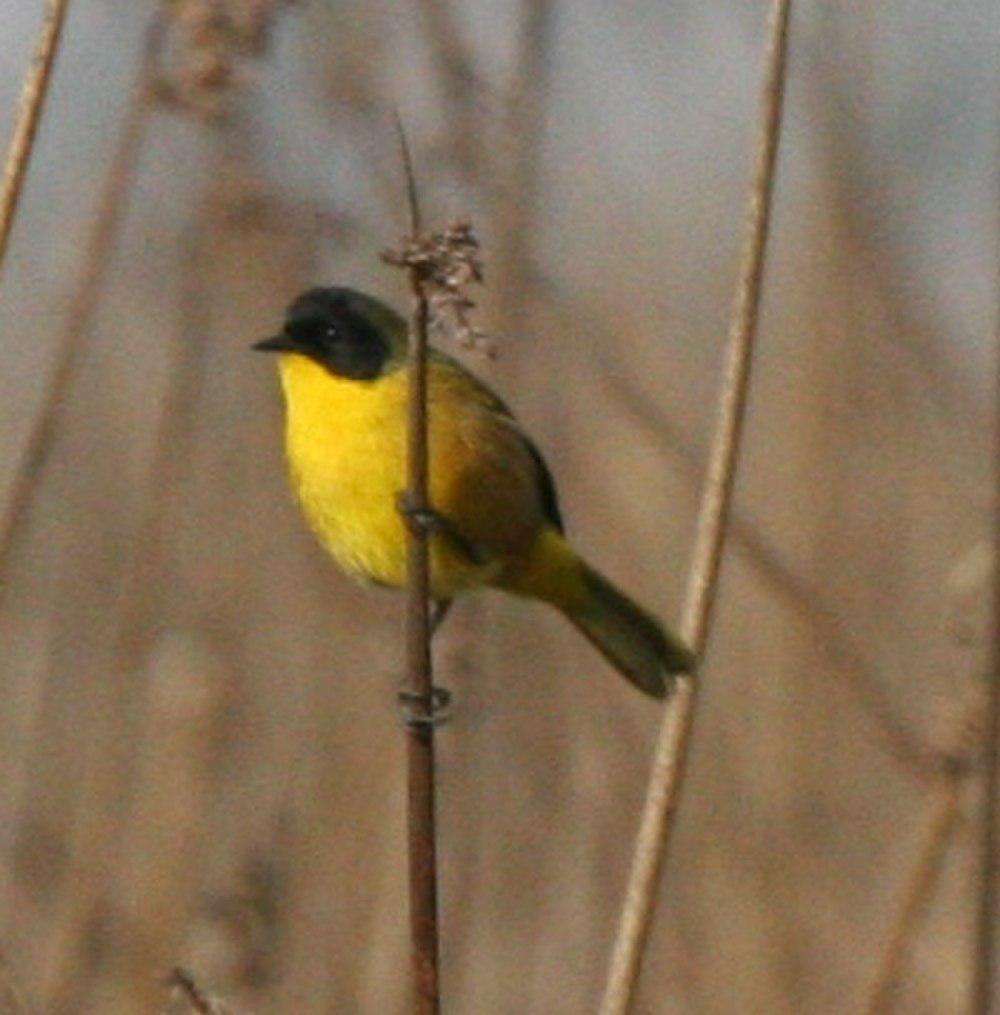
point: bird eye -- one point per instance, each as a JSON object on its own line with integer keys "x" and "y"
{"x": 332, "y": 332}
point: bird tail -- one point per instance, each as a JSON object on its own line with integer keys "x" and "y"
{"x": 633, "y": 641}
{"x": 628, "y": 637}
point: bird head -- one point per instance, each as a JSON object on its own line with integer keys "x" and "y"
{"x": 350, "y": 333}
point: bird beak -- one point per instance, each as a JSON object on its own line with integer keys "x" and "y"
{"x": 278, "y": 343}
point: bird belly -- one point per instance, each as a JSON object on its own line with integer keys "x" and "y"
{"x": 351, "y": 520}
{"x": 347, "y": 458}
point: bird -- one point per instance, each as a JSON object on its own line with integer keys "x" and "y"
{"x": 493, "y": 519}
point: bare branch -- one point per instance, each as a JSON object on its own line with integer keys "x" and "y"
{"x": 419, "y": 673}
{"x": 441, "y": 266}
{"x": 33, "y": 92}
{"x": 186, "y": 985}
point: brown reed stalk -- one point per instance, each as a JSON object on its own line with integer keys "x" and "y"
{"x": 670, "y": 756}
{"x": 440, "y": 266}
{"x": 957, "y": 748}
{"x": 943, "y": 813}
{"x": 29, "y": 114}
{"x": 186, "y": 985}
{"x": 987, "y": 957}
{"x": 95, "y": 826}
{"x": 419, "y": 673}
{"x": 97, "y": 252}
{"x": 801, "y": 596}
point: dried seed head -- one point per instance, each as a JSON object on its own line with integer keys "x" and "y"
{"x": 447, "y": 263}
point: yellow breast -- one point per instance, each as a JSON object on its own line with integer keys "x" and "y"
{"x": 346, "y": 446}
{"x": 346, "y": 455}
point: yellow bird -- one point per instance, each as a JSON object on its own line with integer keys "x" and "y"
{"x": 495, "y": 517}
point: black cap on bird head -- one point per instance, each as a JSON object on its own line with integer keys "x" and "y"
{"x": 351, "y": 334}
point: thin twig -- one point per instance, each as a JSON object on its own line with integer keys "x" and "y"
{"x": 987, "y": 957}
{"x": 185, "y": 983}
{"x": 96, "y": 255}
{"x": 943, "y": 814}
{"x": 420, "y": 730}
{"x": 33, "y": 92}
{"x": 441, "y": 266}
{"x": 671, "y": 750}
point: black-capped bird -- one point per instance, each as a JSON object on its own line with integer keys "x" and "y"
{"x": 343, "y": 370}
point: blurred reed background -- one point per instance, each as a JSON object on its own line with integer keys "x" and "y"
{"x": 200, "y": 761}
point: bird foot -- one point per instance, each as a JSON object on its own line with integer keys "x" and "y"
{"x": 432, "y": 522}
{"x": 422, "y": 711}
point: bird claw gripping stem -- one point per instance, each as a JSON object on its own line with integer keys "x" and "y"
{"x": 432, "y": 522}
{"x": 421, "y": 711}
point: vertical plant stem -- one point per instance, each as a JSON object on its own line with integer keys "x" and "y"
{"x": 33, "y": 92}
{"x": 188, "y": 988}
{"x": 670, "y": 755}
{"x": 801, "y": 597}
{"x": 943, "y": 814}
{"x": 105, "y": 765}
{"x": 419, "y": 674}
{"x": 97, "y": 252}
{"x": 987, "y": 960}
